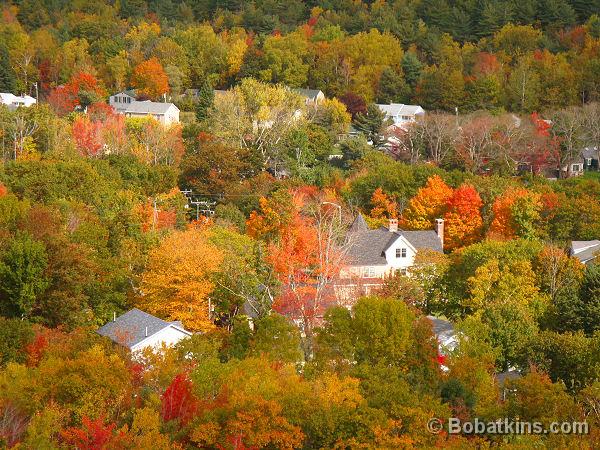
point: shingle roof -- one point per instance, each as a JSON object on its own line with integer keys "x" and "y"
{"x": 308, "y": 93}
{"x": 129, "y": 329}
{"x": 395, "y": 109}
{"x": 590, "y": 152}
{"x": 145, "y": 107}
{"x": 359, "y": 224}
{"x": 367, "y": 247}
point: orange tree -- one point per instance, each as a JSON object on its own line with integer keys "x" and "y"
{"x": 149, "y": 79}
{"x": 429, "y": 204}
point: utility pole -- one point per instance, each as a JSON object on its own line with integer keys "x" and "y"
{"x": 37, "y": 99}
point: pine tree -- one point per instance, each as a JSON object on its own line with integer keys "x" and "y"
{"x": 206, "y": 97}
{"x": 371, "y": 124}
{"x": 392, "y": 87}
{"x": 7, "y": 76}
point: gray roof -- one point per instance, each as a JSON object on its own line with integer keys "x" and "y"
{"x": 395, "y": 109}
{"x": 585, "y": 251}
{"x": 590, "y": 152}
{"x": 145, "y": 107}
{"x": 129, "y": 329}
{"x": 308, "y": 93}
{"x": 367, "y": 248}
{"x": 443, "y": 329}
{"x": 359, "y": 224}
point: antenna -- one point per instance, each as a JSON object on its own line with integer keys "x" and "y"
{"x": 114, "y": 316}
{"x": 146, "y": 331}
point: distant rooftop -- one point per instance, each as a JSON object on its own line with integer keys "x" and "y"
{"x": 134, "y": 326}
{"x": 396, "y": 109}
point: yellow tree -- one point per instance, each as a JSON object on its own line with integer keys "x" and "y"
{"x": 177, "y": 282}
{"x": 429, "y": 204}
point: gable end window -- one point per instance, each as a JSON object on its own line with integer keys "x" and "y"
{"x": 400, "y": 253}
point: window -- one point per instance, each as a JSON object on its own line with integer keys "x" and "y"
{"x": 369, "y": 272}
{"x": 400, "y": 253}
{"x": 588, "y": 161}
{"x": 405, "y": 117}
{"x": 402, "y": 271}
{"x": 576, "y": 167}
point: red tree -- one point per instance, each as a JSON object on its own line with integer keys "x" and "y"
{"x": 355, "y": 104}
{"x": 82, "y": 90}
{"x": 93, "y": 435}
{"x": 178, "y": 401}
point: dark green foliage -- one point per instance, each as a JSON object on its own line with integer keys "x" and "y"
{"x": 392, "y": 87}
{"x": 589, "y": 300}
{"x": 204, "y": 102}
{"x": 7, "y": 75}
{"x": 371, "y": 124}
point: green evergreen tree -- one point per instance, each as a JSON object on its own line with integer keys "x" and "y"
{"x": 22, "y": 279}
{"x": 7, "y": 75}
{"x": 589, "y": 296}
{"x": 412, "y": 67}
{"x": 372, "y": 124}
{"x": 206, "y": 97}
{"x": 392, "y": 87}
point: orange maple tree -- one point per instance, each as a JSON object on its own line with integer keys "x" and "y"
{"x": 463, "y": 222}
{"x": 149, "y": 79}
{"x": 383, "y": 206}
{"x": 3, "y": 190}
{"x": 428, "y": 204}
{"x": 306, "y": 258}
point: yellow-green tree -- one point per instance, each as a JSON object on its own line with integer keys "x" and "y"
{"x": 177, "y": 281}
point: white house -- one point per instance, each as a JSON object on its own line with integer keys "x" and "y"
{"x": 376, "y": 254}
{"x": 14, "y": 102}
{"x": 400, "y": 114}
{"x": 125, "y": 103}
{"x": 137, "y": 330}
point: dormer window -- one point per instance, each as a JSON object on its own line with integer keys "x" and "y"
{"x": 400, "y": 253}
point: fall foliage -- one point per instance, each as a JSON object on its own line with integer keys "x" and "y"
{"x": 463, "y": 223}
{"x": 150, "y": 80}
{"x": 428, "y": 204}
{"x": 177, "y": 282}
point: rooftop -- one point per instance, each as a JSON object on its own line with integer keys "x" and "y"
{"x": 367, "y": 247}
{"x": 144, "y": 107}
{"x": 134, "y": 326}
{"x": 395, "y": 109}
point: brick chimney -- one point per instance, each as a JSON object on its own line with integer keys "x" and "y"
{"x": 439, "y": 229}
{"x": 393, "y": 225}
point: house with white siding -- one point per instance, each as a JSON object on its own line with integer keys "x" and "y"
{"x": 126, "y": 103}
{"x": 137, "y": 330}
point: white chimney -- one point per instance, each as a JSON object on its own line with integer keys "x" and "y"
{"x": 439, "y": 229}
{"x": 393, "y": 225}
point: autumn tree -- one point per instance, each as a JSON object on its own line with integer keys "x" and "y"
{"x": 306, "y": 260}
{"x": 463, "y": 222}
{"x": 516, "y": 213}
{"x": 428, "y": 204}
{"x": 150, "y": 80}
{"x": 383, "y": 206}
{"x": 257, "y": 118}
{"x": 176, "y": 284}
{"x": 81, "y": 91}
